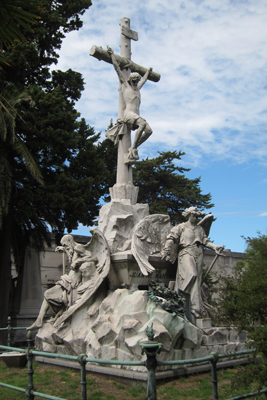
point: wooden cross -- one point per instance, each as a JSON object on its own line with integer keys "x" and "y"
{"x": 124, "y": 189}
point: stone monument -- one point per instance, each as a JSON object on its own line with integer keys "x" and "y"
{"x": 120, "y": 283}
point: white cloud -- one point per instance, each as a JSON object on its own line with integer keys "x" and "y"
{"x": 212, "y": 96}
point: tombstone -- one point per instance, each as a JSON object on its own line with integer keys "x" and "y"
{"x": 31, "y": 294}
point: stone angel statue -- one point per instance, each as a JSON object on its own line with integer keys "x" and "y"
{"x": 187, "y": 242}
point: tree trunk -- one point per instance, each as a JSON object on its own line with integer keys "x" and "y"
{"x": 5, "y": 274}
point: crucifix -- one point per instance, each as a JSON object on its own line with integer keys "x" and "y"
{"x": 131, "y": 77}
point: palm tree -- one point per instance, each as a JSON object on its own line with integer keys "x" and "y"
{"x": 12, "y": 145}
{"x": 14, "y": 15}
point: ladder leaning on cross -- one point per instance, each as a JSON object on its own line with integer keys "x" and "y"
{"x": 129, "y": 119}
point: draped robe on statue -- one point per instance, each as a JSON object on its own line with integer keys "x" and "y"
{"x": 191, "y": 241}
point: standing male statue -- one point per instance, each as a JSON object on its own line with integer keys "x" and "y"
{"x": 187, "y": 241}
{"x": 131, "y": 96}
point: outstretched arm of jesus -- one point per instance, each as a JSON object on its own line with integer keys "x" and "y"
{"x": 144, "y": 78}
{"x": 116, "y": 65}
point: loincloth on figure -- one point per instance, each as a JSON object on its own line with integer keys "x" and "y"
{"x": 120, "y": 127}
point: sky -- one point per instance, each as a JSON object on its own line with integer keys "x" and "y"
{"x": 211, "y": 100}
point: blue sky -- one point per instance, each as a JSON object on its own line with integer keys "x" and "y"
{"x": 211, "y": 100}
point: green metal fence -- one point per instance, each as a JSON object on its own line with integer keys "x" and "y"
{"x": 10, "y": 328}
{"x": 150, "y": 348}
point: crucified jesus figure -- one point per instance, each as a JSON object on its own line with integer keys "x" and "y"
{"x": 132, "y": 98}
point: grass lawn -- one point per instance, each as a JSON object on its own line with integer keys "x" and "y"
{"x": 66, "y": 384}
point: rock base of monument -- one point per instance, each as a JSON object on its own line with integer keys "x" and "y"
{"x": 115, "y": 329}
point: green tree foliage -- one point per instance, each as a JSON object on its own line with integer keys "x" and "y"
{"x": 109, "y": 157}
{"x": 12, "y": 145}
{"x": 50, "y": 130}
{"x": 163, "y": 185}
{"x": 243, "y": 302}
{"x": 30, "y": 60}
{"x": 243, "y": 295}
{"x": 14, "y": 15}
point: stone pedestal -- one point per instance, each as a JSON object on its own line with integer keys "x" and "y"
{"x": 117, "y": 220}
{"x": 122, "y": 192}
{"x": 125, "y": 272}
{"x": 13, "y": 359}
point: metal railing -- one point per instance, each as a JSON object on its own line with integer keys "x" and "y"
{"x": 10, "y": 328}
{"x": 150, "y": 348}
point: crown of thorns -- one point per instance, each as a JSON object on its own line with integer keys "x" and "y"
{"x": 134, "y": 75}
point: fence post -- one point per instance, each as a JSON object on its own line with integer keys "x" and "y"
{"x": 82, "y": 362}
{"x": 151, "y": 349}
{"x": 213, "y": 361}
{"x": 9, "y": 331}
{"x": 30, "y": 372}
